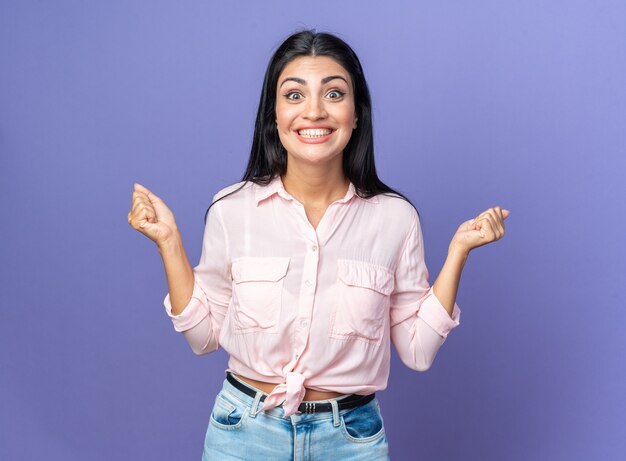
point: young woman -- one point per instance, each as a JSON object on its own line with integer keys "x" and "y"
{"x": 310, "y": 268}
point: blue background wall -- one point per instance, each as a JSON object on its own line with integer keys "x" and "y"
{"x": 514, "y": 103}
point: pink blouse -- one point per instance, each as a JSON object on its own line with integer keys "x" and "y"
{"x": 299, "y": 306}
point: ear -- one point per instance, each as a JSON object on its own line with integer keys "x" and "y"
{"x": 356, "y": 119}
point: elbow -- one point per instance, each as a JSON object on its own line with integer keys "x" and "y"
{"x": 199, "y": 351}
{"x": 418, "y": 361}
{"x": 205, "y": 349}
{"x": 202, "y": 344}
{"x": 202, "y": 351}
{"x": 420, "y": 366}
{"x": 423, "y": 367}
{"x": 201, "y": 338}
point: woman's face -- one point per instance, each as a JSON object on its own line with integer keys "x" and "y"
{"x": 315, "y": 110}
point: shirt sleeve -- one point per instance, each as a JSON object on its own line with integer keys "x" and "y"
{"x": 201, "y": 320}
{"x": 419, "y": 322}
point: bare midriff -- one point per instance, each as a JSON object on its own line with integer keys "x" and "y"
{"x": 309, "y": 395}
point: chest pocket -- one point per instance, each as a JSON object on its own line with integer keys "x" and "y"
{"x": 362, "y": 301}
{"x": 257, "y": 293}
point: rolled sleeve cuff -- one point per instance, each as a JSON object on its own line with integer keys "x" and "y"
{"x": 193, "y": 313}
{"x": 435, "y": 315}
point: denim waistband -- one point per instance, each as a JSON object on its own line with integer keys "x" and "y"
{"x": 278, "y": 412}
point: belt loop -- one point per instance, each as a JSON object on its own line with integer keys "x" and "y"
{"x": 333, "y": 403}
{"x": 255, "y": 404}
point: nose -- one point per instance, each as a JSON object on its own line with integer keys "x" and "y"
{"x": 315, "y": 109}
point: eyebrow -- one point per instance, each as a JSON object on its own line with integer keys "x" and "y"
{"x": 303, "y": 82}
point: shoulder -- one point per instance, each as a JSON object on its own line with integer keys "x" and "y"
{"x": 396, "y": 209}
{"x": 236, "y": 202}
{"x": 227, "y": 201}
{"x": 390, "y": 215}
{"x": 237, "y": 187}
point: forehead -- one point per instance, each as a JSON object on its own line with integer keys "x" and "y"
{"x": 313, "y": 67}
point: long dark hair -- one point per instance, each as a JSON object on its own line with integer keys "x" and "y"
{"x": 268, "y": 156}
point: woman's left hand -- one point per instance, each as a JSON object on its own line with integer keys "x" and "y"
{"x": 485, "y": 228}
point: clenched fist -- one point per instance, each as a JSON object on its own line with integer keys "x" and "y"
{"x": 150, "y": 216}
{"x": 485, "y": 228}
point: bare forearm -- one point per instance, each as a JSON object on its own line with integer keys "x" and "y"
{"x": 179, "y": 274}
{"x": 447, "y": 283}
{"x": 487, "y": 227}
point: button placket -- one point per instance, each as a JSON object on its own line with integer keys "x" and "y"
{"x": 307, "y": 297}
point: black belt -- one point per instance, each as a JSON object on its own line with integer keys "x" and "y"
{"x": 352, "y": 401}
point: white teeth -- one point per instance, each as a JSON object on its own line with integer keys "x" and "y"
{"x": 315, "y": 133}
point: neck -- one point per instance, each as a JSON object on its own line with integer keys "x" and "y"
{"x": 315, "y": 184}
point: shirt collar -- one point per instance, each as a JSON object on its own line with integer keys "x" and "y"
{"x": 276, "y": 186}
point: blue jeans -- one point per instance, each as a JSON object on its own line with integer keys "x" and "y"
{"x": 238, "y": 431}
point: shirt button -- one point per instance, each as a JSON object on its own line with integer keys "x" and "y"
{"x": 307, "y": 283}
{"x": 304, "y": 323}
{"x": 297, "y": 356}
{"x": 314, "y": 248}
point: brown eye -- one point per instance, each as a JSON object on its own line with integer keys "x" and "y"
{"x": 293, "y": 96}
{"x": 335, "y": 94}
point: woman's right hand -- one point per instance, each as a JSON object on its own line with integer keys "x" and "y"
{"x": 150, "y": 216}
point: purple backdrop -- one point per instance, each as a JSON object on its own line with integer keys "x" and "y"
{"x": 513, "y": 103}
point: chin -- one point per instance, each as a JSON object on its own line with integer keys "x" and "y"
{"x": 316, "y": 158}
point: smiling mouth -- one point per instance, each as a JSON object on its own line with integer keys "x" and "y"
{"x": 315, "y": 133}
